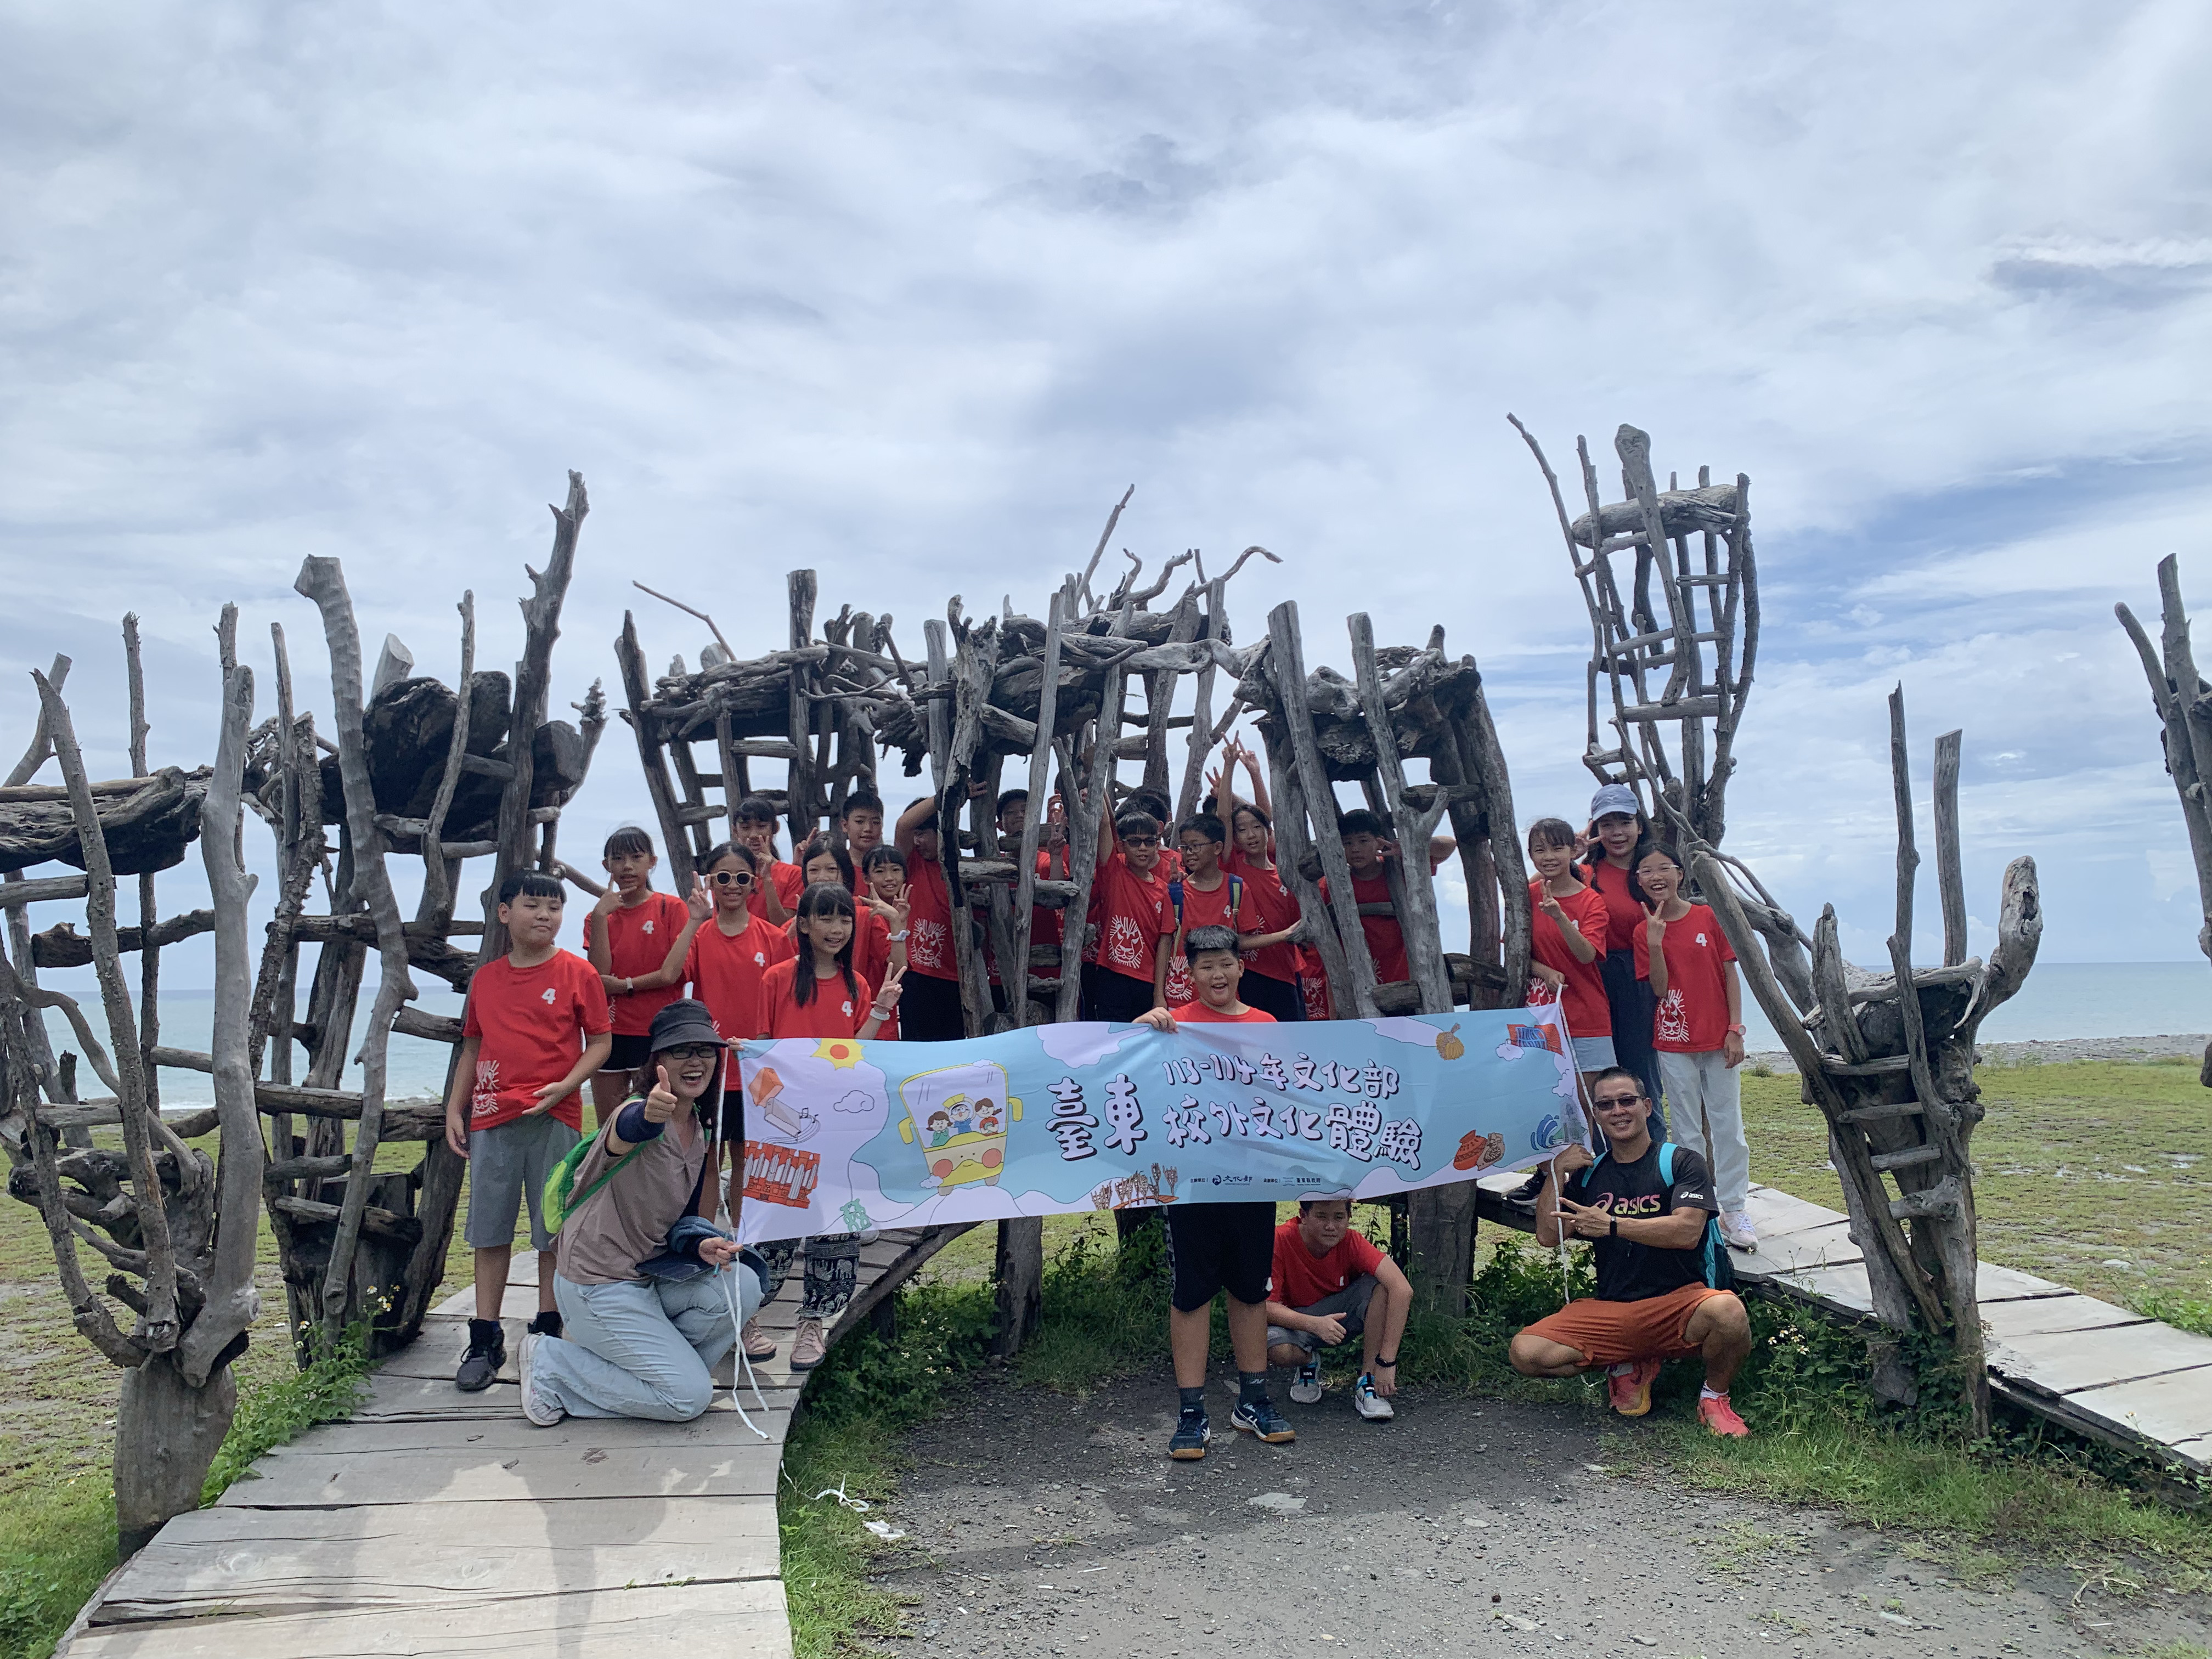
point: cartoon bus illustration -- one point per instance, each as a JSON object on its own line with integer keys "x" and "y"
{"x": 959, "y": 1116}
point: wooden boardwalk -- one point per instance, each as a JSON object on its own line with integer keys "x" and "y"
{"x": 2097, "y": 1369}
{"x": 433, "y": 1522}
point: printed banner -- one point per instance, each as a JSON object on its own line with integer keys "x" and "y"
{"x": 843, "y": 1135}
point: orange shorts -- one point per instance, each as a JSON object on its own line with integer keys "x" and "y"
{"x": 1611, "y": 1333}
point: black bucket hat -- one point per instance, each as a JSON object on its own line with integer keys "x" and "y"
{"x": 684, "y": 1021}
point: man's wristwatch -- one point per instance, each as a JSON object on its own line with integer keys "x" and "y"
{"x": 1735, "y": 1030}
{"x": 1615, "y": 1224}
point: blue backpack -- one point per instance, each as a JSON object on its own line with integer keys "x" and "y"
{"x": 1719, "y": 1270}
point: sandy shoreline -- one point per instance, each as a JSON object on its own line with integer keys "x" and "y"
{"x": 2046, "y": 1053}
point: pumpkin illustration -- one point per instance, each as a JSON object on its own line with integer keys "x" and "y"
{"x": 1449, "y": 1046}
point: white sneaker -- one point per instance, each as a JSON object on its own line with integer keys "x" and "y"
{"x": 535, "y": 1406}
{"x": 1737, "y": 1232}
{"x": 1369, "y": 1404}
{"x": 1305, "y": 1387}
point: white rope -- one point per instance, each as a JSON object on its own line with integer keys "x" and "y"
{"x": 729, "y": 1277}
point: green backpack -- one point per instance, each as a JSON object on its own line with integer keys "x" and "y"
{"x": 558, "y": 1201}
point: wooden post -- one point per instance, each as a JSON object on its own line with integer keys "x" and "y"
{"x": 1017, "y": 971}
{"x": 1417, "y": 905}
{"x": 630, "y": 657}
{"x": 801, "y": 805}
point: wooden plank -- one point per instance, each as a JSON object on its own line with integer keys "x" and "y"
{"x": 392, "y": 1398}
{"x": 280, "y": 1561}
{"x": 2033, "y": 1316}
{"x": 1772, "y": 1211}
{"x": 1828, "y": 1245}
{"x": 526, "y": 1475}
{"x": 2066, "y": 1362}
{"x": 437, "y": 1352}
{"x": 1843, "y": 1287}
{"x": 2168, "y": 1410}
{"x": 656, "y": 1622}
{"x": 703, "y": 1437}
{"x": 1995, "y": 1284}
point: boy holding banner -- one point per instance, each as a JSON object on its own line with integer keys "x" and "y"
{"x": 1218, "y": 1247}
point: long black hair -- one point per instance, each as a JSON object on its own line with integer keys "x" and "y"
{"x": 1596, "y": 860}
{"x": 819, "y": 845}
{"x": 823, "y": 899}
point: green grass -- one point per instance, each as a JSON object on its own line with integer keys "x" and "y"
{"x": 271, "y": 1413}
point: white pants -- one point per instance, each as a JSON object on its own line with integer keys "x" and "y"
{"x": 1704, "y": 1092}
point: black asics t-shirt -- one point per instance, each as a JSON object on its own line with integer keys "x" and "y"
{"x": 1628, "y": 1272}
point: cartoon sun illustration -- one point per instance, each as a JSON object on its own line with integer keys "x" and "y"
{"x": 840, "y": 1052}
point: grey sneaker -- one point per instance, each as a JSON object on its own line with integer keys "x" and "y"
{"x": 1737, "y": 1232}
{"x": 1369, "y": 1404}
{"x": 808, "y": 1347}
{"x": 1305, "y": 1387}
{"x": 487, "y": 1353}
{"x": 535, "y": 1406}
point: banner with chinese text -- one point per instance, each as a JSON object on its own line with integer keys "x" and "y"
{"x": 843, "y": 1135}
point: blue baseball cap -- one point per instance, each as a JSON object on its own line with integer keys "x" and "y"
{"x": 1614, "y": 798}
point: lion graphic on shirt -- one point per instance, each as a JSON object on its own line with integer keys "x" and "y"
{"x": 1673, "y": 1019}
{"x": 927, "y": 947}
{"x": 1125, "y": 943}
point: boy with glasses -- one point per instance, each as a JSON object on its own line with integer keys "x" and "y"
{"x": 1125, "y": 969}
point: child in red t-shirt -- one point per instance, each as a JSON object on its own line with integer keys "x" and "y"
{"x": 1368, "y": 849}
{"x": 1277, "y": 973}
{"x": 1125, "y": 971}
{"x": 1213, "y": 1248}
{"x": 1567, "y": 940}
{"x": 637, "y": 938}
{"x": 1327, "y": 1280}
{"x": 861, "y": 821}
{"x": 816, "y": 993}
{"x": 1205, "y": 896}
{"x": 753, "y": 825}
{"x": 930, "y": 1011}
{"x": 882, "y": 895}
{"x": 536, "y": 1026}
{"x": 1697, "y": 1031}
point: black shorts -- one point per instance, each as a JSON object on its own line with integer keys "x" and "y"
{"x": 733, "y": 1118}
{"x": 629, "y": 1053}
{"x": 929, "y": 1010}
{"x": 1221, "y": 1247}
{"x": 1118, "y": 998}
{"x": 1282, "y": 998}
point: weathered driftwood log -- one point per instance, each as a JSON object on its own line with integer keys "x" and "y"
{"x": 2184, "y": 705}
{"x": 148, "y": 825}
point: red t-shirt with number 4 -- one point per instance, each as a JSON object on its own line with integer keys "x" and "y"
{"x": 532, "y": 1024}
{"x": 725, "y": 971}
{"x": 829, "y": 1011}
{"x": 638, "y": 937}
{"x": 1692, "y": 1018}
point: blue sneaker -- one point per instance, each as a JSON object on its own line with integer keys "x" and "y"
{"x": 1188, "y": 1443}
{"x": 1260, "y": 1418}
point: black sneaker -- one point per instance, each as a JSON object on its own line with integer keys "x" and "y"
{"x": 1260, "y": 1417}
{"x": 547, "y": 1322}
{"x": 487, "y": 1353}
{"x": 1191, "y": 1432}
{"x": 1524, "y": 1198}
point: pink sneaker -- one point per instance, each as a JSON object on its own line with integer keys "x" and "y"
{"x": 1629, "y": 1387}
{"x": 1715, "y": 1412}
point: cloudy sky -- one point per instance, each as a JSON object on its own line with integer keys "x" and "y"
{"x": 909, "y": 295}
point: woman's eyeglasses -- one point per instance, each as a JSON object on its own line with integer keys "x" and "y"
{"x": 691, "y": 1051}
{"x": 733, "y": 878}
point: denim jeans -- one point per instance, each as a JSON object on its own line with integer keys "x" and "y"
{"x": 641, "y": 1350}
{"x": 1703, "y": 1090}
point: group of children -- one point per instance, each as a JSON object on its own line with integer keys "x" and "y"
{"x": 1646, "y": 981}
{"x": 853, "y": 938}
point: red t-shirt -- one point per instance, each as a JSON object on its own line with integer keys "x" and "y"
{"x": 638, "y": 937}
{"x": 1692, "y": 1017}
{"x": 1302, "y": 1278}
{"x": 828, "y": 1013}
{"x": 929, "y": 947}
{"x": 871, "y": 959}
{"x": 1588, "y": 1013}
{"x": 1269, "y": 907}
{"x": 1625, "y": 917}
{"x": 790, "y": 882}
{"x": 1201, "y": 1014}
{"x": 533, "y": 1024}
{"x": 725, "y": 971}
{"x": 1203, "y": 909}
{"x": 1131, "y": 912}
{"x": 1386, "y": 940}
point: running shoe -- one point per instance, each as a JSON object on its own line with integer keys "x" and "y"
{"x": 487, "y": 1353}
{"x": 809, "y": 1348}
{"x": 1368, "y": 1403}
{"x": 758, "y": 1344}
{"x": 1629, "y": 1387}
{"x": 1716, "y": 1415}
{"x": 1737, "y": 1232}
{"x": 1191, "y": 1432}
{"x": 1260, "y": 1418}
{"x": 538, "y": 1409}
{"x": 1305, "y": 1387}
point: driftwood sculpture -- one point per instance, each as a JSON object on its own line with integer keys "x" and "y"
{"x": 177, "y": 1227}
{"x": 1055, "y": 696}
{"x": 1893, "y": 1074}
{"x": 2184, "y": 702}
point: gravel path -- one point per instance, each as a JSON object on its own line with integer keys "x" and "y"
{"x": 1040, "y": 1525}
{"x": 2044, "y": 1054}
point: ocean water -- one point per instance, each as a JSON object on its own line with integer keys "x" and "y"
{"x": 2061, "y": 999}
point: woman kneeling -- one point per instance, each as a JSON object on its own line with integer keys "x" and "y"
{"x": 646, "y": 1281}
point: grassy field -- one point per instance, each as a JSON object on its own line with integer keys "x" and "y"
{"x": 2091, "y": 1173}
